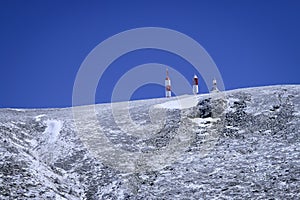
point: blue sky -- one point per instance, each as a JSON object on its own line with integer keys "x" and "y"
{"x": 43, "y": 44}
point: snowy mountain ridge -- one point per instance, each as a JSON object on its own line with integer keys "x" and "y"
{"x": 233, "y": 145}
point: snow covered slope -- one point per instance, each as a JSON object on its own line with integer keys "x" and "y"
{"x": 240, "y": 144}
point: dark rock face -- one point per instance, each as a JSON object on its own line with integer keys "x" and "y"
{"x": 204, "y": 108}
{"x": 245, "y": 145}
{"x": 208, "y": 107}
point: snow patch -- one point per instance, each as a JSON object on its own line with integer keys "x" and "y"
{"x": 230, "y": 103}
{"x": 17, "y": 109}
{"x": 203, "y": 122}
{"x": 180, "y": 103}
{"x": 53, "y": 129}
{"x": 38, "y": 118}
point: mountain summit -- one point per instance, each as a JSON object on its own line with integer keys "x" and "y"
{"x": 242, "y": 143}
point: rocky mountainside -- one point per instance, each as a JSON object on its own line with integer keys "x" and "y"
{"x": 239, "y": 144}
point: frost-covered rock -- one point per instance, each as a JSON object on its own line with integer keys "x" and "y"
{"x": 240, "y": 144}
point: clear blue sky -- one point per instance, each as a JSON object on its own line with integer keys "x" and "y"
{"x": 43, "y": 43}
